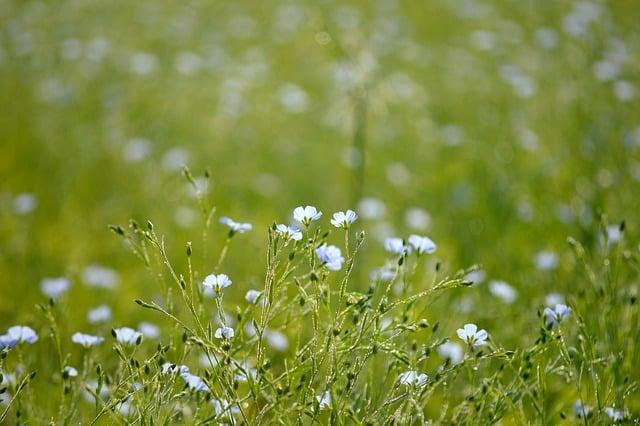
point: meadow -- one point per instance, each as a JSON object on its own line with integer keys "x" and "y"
{"x": 278, "y": 212}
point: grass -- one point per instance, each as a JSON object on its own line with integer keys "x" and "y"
{"x": 501, "y": 130}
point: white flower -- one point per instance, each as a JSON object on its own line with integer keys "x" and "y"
{"x": 149, "y": 330}
{"x": 582, "y": 410}
{"x": 100, "y": 314}
{"x": 55, "y": 287}
{"x": 503, "y": 291}
{"x": 25, "y": 203}
{"x": 127, "y": 336}
{"x": 100, "y": 277}
{"x": 22, "y": 334}
{"x": 170, "y": 368}
{"x": 69, "y": 371}
{"x": 470, "y": 334}
{"x": 224, "y": 333}
{"x": 422, "y": 244}
{"x": 451, "y": 351}
{"x": 306, "y": 215}
{"x": 395, "y": 245}
{"x": 289, "y": 232}
{"x": 553, "y": 299}
{"x": 614, "y": 234}
{"x": 417, "y": 218}
{"x": 252, "y": 296}
{"x": 475, "y": 277}
{"x": 324, "y": 400}
{"x": 86, "y": 340}
{"x": 546, "y": 260}
{"x": 194, "y": 382}
{"x": 276, "y": 340}
{"x": 371, "y": 208}
{"x": 344, "y": 219}
{"x": 558, "y": 314}
{"x": 615, "y": 414}
{"x": 383, "y": 274}
{"x": 235, "y": 226}
{"x": 409, "y": 378}
{"x": 8, "y": 342}
{"x": 331, "y": 257}
{"x": 93, "y": 385}
{"x": 216, "y": 282}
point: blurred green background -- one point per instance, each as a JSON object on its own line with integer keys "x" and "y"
{"x": 498, "y": 128}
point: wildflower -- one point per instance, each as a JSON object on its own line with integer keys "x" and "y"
{"x": 553, "y": 299}
{"x": 25, "y": 203}
{"x": 395, "y": 245}
{"x": 235, "y": 226}
{"x": 409, "y": 378}
{"x": 149, "y": 330}
{"x": 216, "y": 282}
{"x": 582, "y": 410}
{"x": 100, "y": 277}
{"x": 371, "y": 208}
{"x": 221, "y": 406}
{"x": 127, "y": 336}
{"x": 451, "y": 351}
{"x": 103, "y": 392}
{"x": 100, "y": 314}
{"x": 252, "y": 296}
{"x": 21, "y": 334}
{"x": 8, "y": 342}
{"x": 558, "y": 314}
{"x": 276, "y": 340}
{"x": 383, "y": 274}
{"x": 470, "y": 334}
{"x": 417, "y": 218}
{"x": 475, "y": 277}
{"x": 194, "y": 382}
{"x": 331, "y": 257}
{"x": 422, "y": 244}
{"x": 289, "y": 232}
{"x": 55, "y": 287}
{"x": 615, "y": 414}
{"x": 344, "y": 219}
{"x": 306, "y": 215}
{"x": 69, "y": 371}
{"x": 86, "y": 340}
{"x": 225, "y": 332}
{"x": 546, "y": 260}
{"x": 243, "y": 374}
{"x": 503, "y": 291}
{"x": 169, "y": 368}
{"x": 324, "y": 400}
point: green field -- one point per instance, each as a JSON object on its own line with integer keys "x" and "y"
{"x": 508, "y": 132}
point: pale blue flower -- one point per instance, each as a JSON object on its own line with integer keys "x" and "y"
{"x": 149, "y": 330}
{"x": 235, "y": 226}
{"x": 382, "y": 274}
{"x": 413, "y": 378}
{"x": 582, "y": 410}
{"x": 615, "y": 414}
{"x": 558, "y": 314}
{"x": 252, "y": 296}
{"x": 225, "y": 332}
{"x": 470, "y": 334}
{"x": 86, "y": 340}
{"x": 100, "y": 314}
{"x": 22, "y": 334}
{"x": 170, "y": 368}
{"x": 306, "y": 215}
{"x": 289, "y": 232}
{"x": 55, "y": 287}
{"x": 324, "y": 400}
{"x": 422, "y": 244}
{"x": 503, "y": 291}
{"x": 127, "y": 336}
{"x": 194, "y": 382}
{"x": 216, "y": 282}
{"x": 69, "y": 371}
{"x": 344, "y": 219}
{"x": 395, "y": 245}
{"x": 8, "y": 342}
{"x": 546, "y": 260}
{"x": 331, "y": 257}
{"x": 451, "y": 351}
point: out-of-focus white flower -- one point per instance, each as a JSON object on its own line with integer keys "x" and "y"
{"x": 25, "y": 203}
{"x": 136, "y": 149}
{"x": 451, "y": 351}
{"x": 422, "y": 244}
{"x": 581, "y": 410}
{"x": 470, "y": 335}
{"x": 413, "y": 378}
{"x": 55, "y": 287}
{"x": 324, "y": 400}
{"x": 382, "y": 274}
{"x": 306, "y": 215}
{"x": 503, "y": 291}
{"x": 371, "y": 208}
{"x": 127, "y": 336}
{"x": 344, "y": 219}
{"x": 100, "y": 314}
{"x": 175, "y": 158}
{"x": 475, "y": 277}
{"x": 331, "y": 257}
{"x": 252, "y": 296}
{"x": 276, "y": 340}
{"x": 86, "y": 340}
{"x": 292, "y": 98}
{"x": 558, "y": 314}
{"x": 624, "y": 90}
{"x": 149, "y": 330}
{"x": 546, "y": 260}
{"x": 614, "y": 234}
{"x": 395, "y": 245}
{"x": 8, "y": 342}
{"x": 553, "y": 299}
{"x": 235, "y": 226}
{"x": 217, "y": 282}
{"x": 194, "y": 382}
{"x": 614, "y": 414}
{"x": 289, "y": 232}
{"x": 143, "y": 63}
{"x": 170, "y": 368}
{"x": 22, "y": 334}
{"x": 100, "y": 276}
{"x": 226, "y": 333}
{"x": 69, "y": 371}
{"x": 417, "y": 218}
{"x": 103, "y": 393}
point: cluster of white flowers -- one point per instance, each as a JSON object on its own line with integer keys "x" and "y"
{"x": 415, "y": 244}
